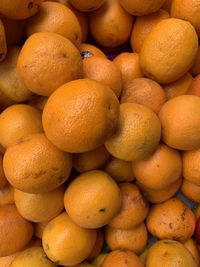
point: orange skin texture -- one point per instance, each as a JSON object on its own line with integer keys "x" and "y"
{"x": 20, "y": 9}
{"x": 90, "y": 160}
{"x": 191, "y": 245}
{"x": 191, "y": 167}
{"x": 58, "y": 237}
{"x": 176, "y": 221}
{"x": 169, "y": 50}
{"x": 39, "y": 228}
{"x": 36, "y": 208}
{"x": 120, "y": 258}
{"x": 142, "y": 27}
{"x": 110, "y": 25}
{"x": 22, "y": 165}
{"x": 104, "y": 71}
{"x": 190, "y": 190}
{"x": 80, "y": 115}
{"x": 140, "y": 8}
{"x": 15, "y": 231}
{"x": 163, "y": 194}
{"x": 184, "y": 135}
{"x": 18, "y": 121}
{"x": 57, "y": 18}
{"x": 128, "y": 63}
{"x": 92, "y": 199}
{"x": 187, "y": 10}
{"x": 64, "y": 62}
{"x": 179, "y": 87}
{"x": 120, "y": 170}
{"x": 133, "y": 239}
{"x": 129, "y": 141}
{"x": 170, "y": 253}
{"x": 145, "y": 92}
{"x": 3, "y": 180}
{"x": 134, "y": 208}
{"x": 160, "y": 169}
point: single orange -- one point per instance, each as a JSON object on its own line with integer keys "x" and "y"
{"x": 134, "y": 208}
{"x": 175, "y": 220}
{"x": 92, "y": 199}
{"x": 133, "y": 239}
{"x": 80, "y": 115}
{"x": 190, "y": 190}
{"x": 28, "y": 168}
{"x": 61, "y": 234}
{"x": 160, "y": 169}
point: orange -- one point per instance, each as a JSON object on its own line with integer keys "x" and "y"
{"x": 39, "y": 228}
{"x": 38, "y": 101}
{"x": 19, "y": 9}
{"x": 88, "y": 5}
{"x": 7, "y": 195}
{"x": 103, "y": 70}
{"x": 5, "y": 101}
{"x": 131, "y": 142}
{"x": 40, "y": 207}
{"x": 29, "y": 169}
{"x": 110, "y": 25}
{"x": 160, "y": 195}
{"x": 140, "y": 8}
{"x": 195, "y": 69}
{"x": 33, "y": 256}
{"x": 134, "y": 208}
{"x": 179, "y": 87}
{"x": 61, "y": 234}
{"x": 194, "y": 88}
{"x": 133, "y": 239}
{"x": 184, "y": 135}
{"x": 169, "y": 253}
{"x": 120, "y": 170}
{"x": 190, "y": 190}
{"x": 40, "y": 54}
{"x": 17, "y": 121}
{"x": 145, "y": 92}
{"x": 160, "y": 169}
{"x": 191, "y": 167}
{"x": 57, "y": 18}
{"x": 191, "y": 245}
{"x": 187, "y": 10}
{"x": 92, "y": 199}
{"x": 142, "y": 27}
{"x": 175, "y": 220}
{"x": 94, "y": 50}
{"x": 15, "y": 231}
{"x": 128, "y": 63}
{"x": 14, "y": 30}
{"x": 10, "y": 83}
{"x": 3, "y": 180}
{"x": 121, "y": 258}
{"x": 91, "y": 160}
{"x": 172, "y": 42}
{"x": 97, "y": 246}
{"x": 196, "y": 211}
{"x": 3, "y": 44}
{"x": 80, "y": 115}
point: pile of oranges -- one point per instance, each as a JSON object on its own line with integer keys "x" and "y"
{"x": 99, "y": 131}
